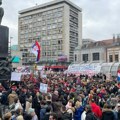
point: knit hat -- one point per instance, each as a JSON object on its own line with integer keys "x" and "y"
{"x": 30, "y": 110}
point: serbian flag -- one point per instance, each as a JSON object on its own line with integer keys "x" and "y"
{"x": 118, "y": 77}
{"x": 36, "y": 50}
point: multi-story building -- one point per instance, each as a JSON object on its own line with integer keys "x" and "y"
{"x": 87, "y": 41}
{"x": 56, "y": 25}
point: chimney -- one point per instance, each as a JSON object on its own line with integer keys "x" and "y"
{"x": 118, "y": 38}
{"x": 114, "y": 38}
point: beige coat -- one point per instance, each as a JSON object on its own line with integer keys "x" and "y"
{"x": 28, "y": 105}
{"x": 11, "y": 98}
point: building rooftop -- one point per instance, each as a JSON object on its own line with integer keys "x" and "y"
{"x": 48, "y": 4}
{"x": 102, "y": 43}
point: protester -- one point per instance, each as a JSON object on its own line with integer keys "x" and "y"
{"x": 7, "y": 116}
{"x": 78, "y": 110}
{"x": 31, "y": 111}
{"x": 89, "y": 113}
{"x": 12, "y": 97}
{"x": 69, "y": 97}
{"x": 107, "y": 113}
{"x": 65, "y": 115}
{"x": 96, "y": 109}
{"x": 20, "y": 117}
{"x": 36, "y": 104}
{"x": 53, "y": 116}
{"x": 28, "y": 103}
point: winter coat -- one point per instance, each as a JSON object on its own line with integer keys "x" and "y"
{"x": 47, "y": 116}
{"x": 36, "y": 106}
{"x": 83, "y": 116}
{"x": 22, "y": 98}
{"x": 54, "y": 98}
{"x": 28, "y": 105}
{"x": 71, "y": 111}
{"x": 96, "y": 110}
{"x": 35, "y": 117}
{"x": 108, "y": 115}
{"x": 42, "y": 113}
{"x": 78, "y": 113}
{"x": 89, "y": 116}
{"x": 4, "y": 99}
{"x": 66, "y": 116}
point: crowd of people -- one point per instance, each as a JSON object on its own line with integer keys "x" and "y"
{"x": 68, "y": 97}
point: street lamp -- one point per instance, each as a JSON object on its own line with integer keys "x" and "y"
{"x": 10, "y": 46}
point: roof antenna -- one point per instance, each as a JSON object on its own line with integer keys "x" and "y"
{"x": 36, "y": 4}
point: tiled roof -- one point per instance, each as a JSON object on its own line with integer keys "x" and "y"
{"x": 102, "y": 43}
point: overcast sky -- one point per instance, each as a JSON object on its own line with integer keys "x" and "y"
{"x": 101, "y": 18}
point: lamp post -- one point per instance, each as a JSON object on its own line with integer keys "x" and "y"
{"x": 10, "y": 46}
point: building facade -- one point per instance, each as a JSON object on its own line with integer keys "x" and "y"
{"x": 113, "y": 54}
{"x": 93, "y": 52}
{"x": 56, "y": 25}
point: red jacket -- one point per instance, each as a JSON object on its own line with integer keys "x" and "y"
{"x": 96, "y": 110}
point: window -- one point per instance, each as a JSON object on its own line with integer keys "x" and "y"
{"x": 110, "y": 58}
{"x": 85, "y": 57}
{"x": 75, "y": 57}
{"x": 96, "y": 56}
{"x": 59, "y": 47}
{"x": 116, "y": 58}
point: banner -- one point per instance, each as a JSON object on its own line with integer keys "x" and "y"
{"x": 43, "y": 88}
{"x": 40, "y": 68}
{"x": 23, "y": 70}
{"x": 84, "y": 69}
{"x": 16, "y": 76}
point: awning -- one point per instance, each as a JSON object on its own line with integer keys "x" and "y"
{"x": 57, "y": 67}
{"x": 47, "y": 67}
{"x": 15, "y": 59}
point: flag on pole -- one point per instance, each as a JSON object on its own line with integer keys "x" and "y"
{"x": 36, "y": 50}
{"x": 118, "y": 77}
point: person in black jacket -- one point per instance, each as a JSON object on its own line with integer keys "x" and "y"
{"x": 108, "y": 113}
{"x": 65, "y": 114}
{"x": 89, "y": 113}
{"x": 36, "y": 104}
{"x": 47, "y": 114}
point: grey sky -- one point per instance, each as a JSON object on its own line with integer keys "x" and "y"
{"x": 101, "y": 18}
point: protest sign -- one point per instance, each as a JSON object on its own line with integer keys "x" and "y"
{"x": 43, "y": 88}
{"x": 16, "y": 76}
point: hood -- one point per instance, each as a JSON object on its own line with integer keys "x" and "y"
{"x": 93, "y": 105}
